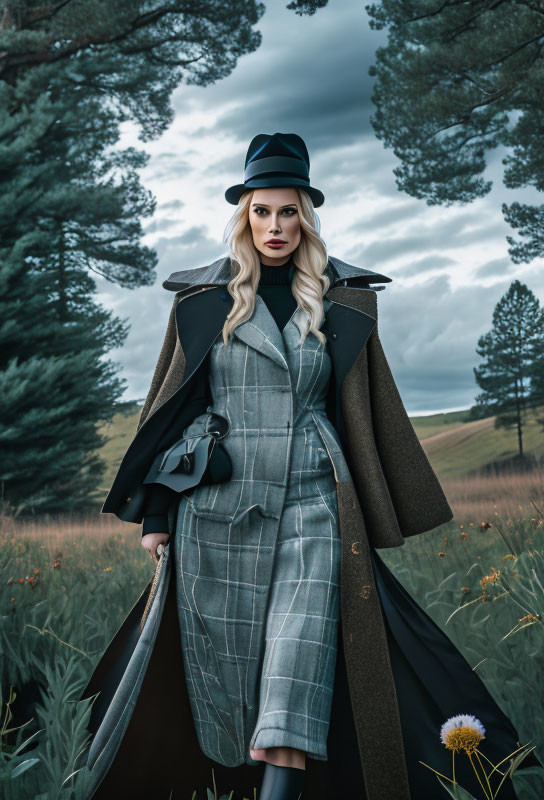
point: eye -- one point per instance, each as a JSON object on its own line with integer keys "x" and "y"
{"x": 288, "y": 211}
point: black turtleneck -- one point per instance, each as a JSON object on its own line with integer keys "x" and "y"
{"x": 275, "y": 289}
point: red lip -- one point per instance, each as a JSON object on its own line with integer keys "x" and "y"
{"x": 275, "y": 241}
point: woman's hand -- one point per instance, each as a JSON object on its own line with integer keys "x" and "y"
{"x": 152, "y": 540}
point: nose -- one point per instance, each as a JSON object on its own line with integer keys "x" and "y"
{"x": 275, "y": 224}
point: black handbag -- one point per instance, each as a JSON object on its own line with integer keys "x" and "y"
{"x": 187, "y": 462}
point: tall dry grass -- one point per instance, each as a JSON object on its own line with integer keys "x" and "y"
{"x": 510, "y": 494}
{"x": 52, "y": 530}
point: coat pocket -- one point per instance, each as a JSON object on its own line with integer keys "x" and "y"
{"x": 235, "y": 500}
{"x": 214, "y": 501}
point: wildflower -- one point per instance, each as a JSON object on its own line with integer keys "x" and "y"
{"x": 35, "y": 570}
{"x": 508, "y": 556}
{"x": 31, "y": 580}
{"x": 107, "y": 569}
{"x": 465, "y": 589}
{"x": 532, "y": 617}
{"x": 493, "y": 578}
{"x": 464, "y": 535}
{"x": 485, "y": 525}
{"x": 441, "y": 553}
{"x": 471, "y": 524}
{"x": 462, "y": 732}
{"x": 21, "y": 580}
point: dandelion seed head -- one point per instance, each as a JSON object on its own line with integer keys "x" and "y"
{"x": 462, "y": 732}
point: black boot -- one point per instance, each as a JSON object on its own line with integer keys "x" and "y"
{"x": 281, "y": 783}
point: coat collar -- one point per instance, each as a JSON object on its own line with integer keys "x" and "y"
{"x": 200, "y": 317}
{"x": 219, "y": 273}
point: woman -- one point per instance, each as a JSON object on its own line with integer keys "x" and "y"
{"x": 300, "y": 649}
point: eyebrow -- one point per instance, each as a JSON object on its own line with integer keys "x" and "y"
{"x": 267, "y": 206}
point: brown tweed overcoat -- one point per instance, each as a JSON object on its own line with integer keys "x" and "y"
{"x": 394, "y": 494}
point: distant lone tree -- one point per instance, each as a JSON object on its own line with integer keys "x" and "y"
{"x": 455, "y": 81}
{"x": 513, "y": 352}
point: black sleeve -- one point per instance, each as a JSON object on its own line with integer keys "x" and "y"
{"x": 159, "y": 497}
{"x": 156, "y": 509}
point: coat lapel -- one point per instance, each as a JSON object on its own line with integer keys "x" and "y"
{"x": 261, "y": 333}
{"x": 347, "y": 330}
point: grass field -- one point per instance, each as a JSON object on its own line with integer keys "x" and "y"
{"x": 68, "y": 583}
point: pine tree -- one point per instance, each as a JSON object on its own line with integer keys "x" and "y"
{"x": 71, "y": 208}
{"x": 49, "y": 405}
{"x": 512, "y": 349}
{"x": 455, "y": 81}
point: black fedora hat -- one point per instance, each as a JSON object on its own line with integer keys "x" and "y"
{"x": 278, "y": 159}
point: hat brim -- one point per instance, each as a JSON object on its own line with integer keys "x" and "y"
{"x": 233, "y": 193}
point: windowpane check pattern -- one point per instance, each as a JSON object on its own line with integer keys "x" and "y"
{"x": 258, "y": 558}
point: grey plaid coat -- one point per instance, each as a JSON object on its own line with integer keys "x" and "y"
{"x": 258, "y": 557}
{"x": 390, "y": 493}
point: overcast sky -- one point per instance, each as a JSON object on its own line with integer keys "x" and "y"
{"x": 449, "y": 266}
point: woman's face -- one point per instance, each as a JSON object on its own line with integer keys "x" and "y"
{"x": 273, "y": 214}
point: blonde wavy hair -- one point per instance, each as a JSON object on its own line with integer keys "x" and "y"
{"x": 310, "y": 259}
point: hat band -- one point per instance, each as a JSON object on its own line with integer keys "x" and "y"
{"x": 276, "y": 164}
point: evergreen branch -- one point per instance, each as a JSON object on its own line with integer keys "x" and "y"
{"x": 173, "y": 62}
{"x": 532, "y": 7}
{"x": 41, "y": 13}
{"x": 11, "y": 62}
{"x": 464, "y": 74}
{"x": 438, "y": 10}
{"x": 462, "y": 121}
{"x": 467, "y": 23}
{"x": 502, "y": 57}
